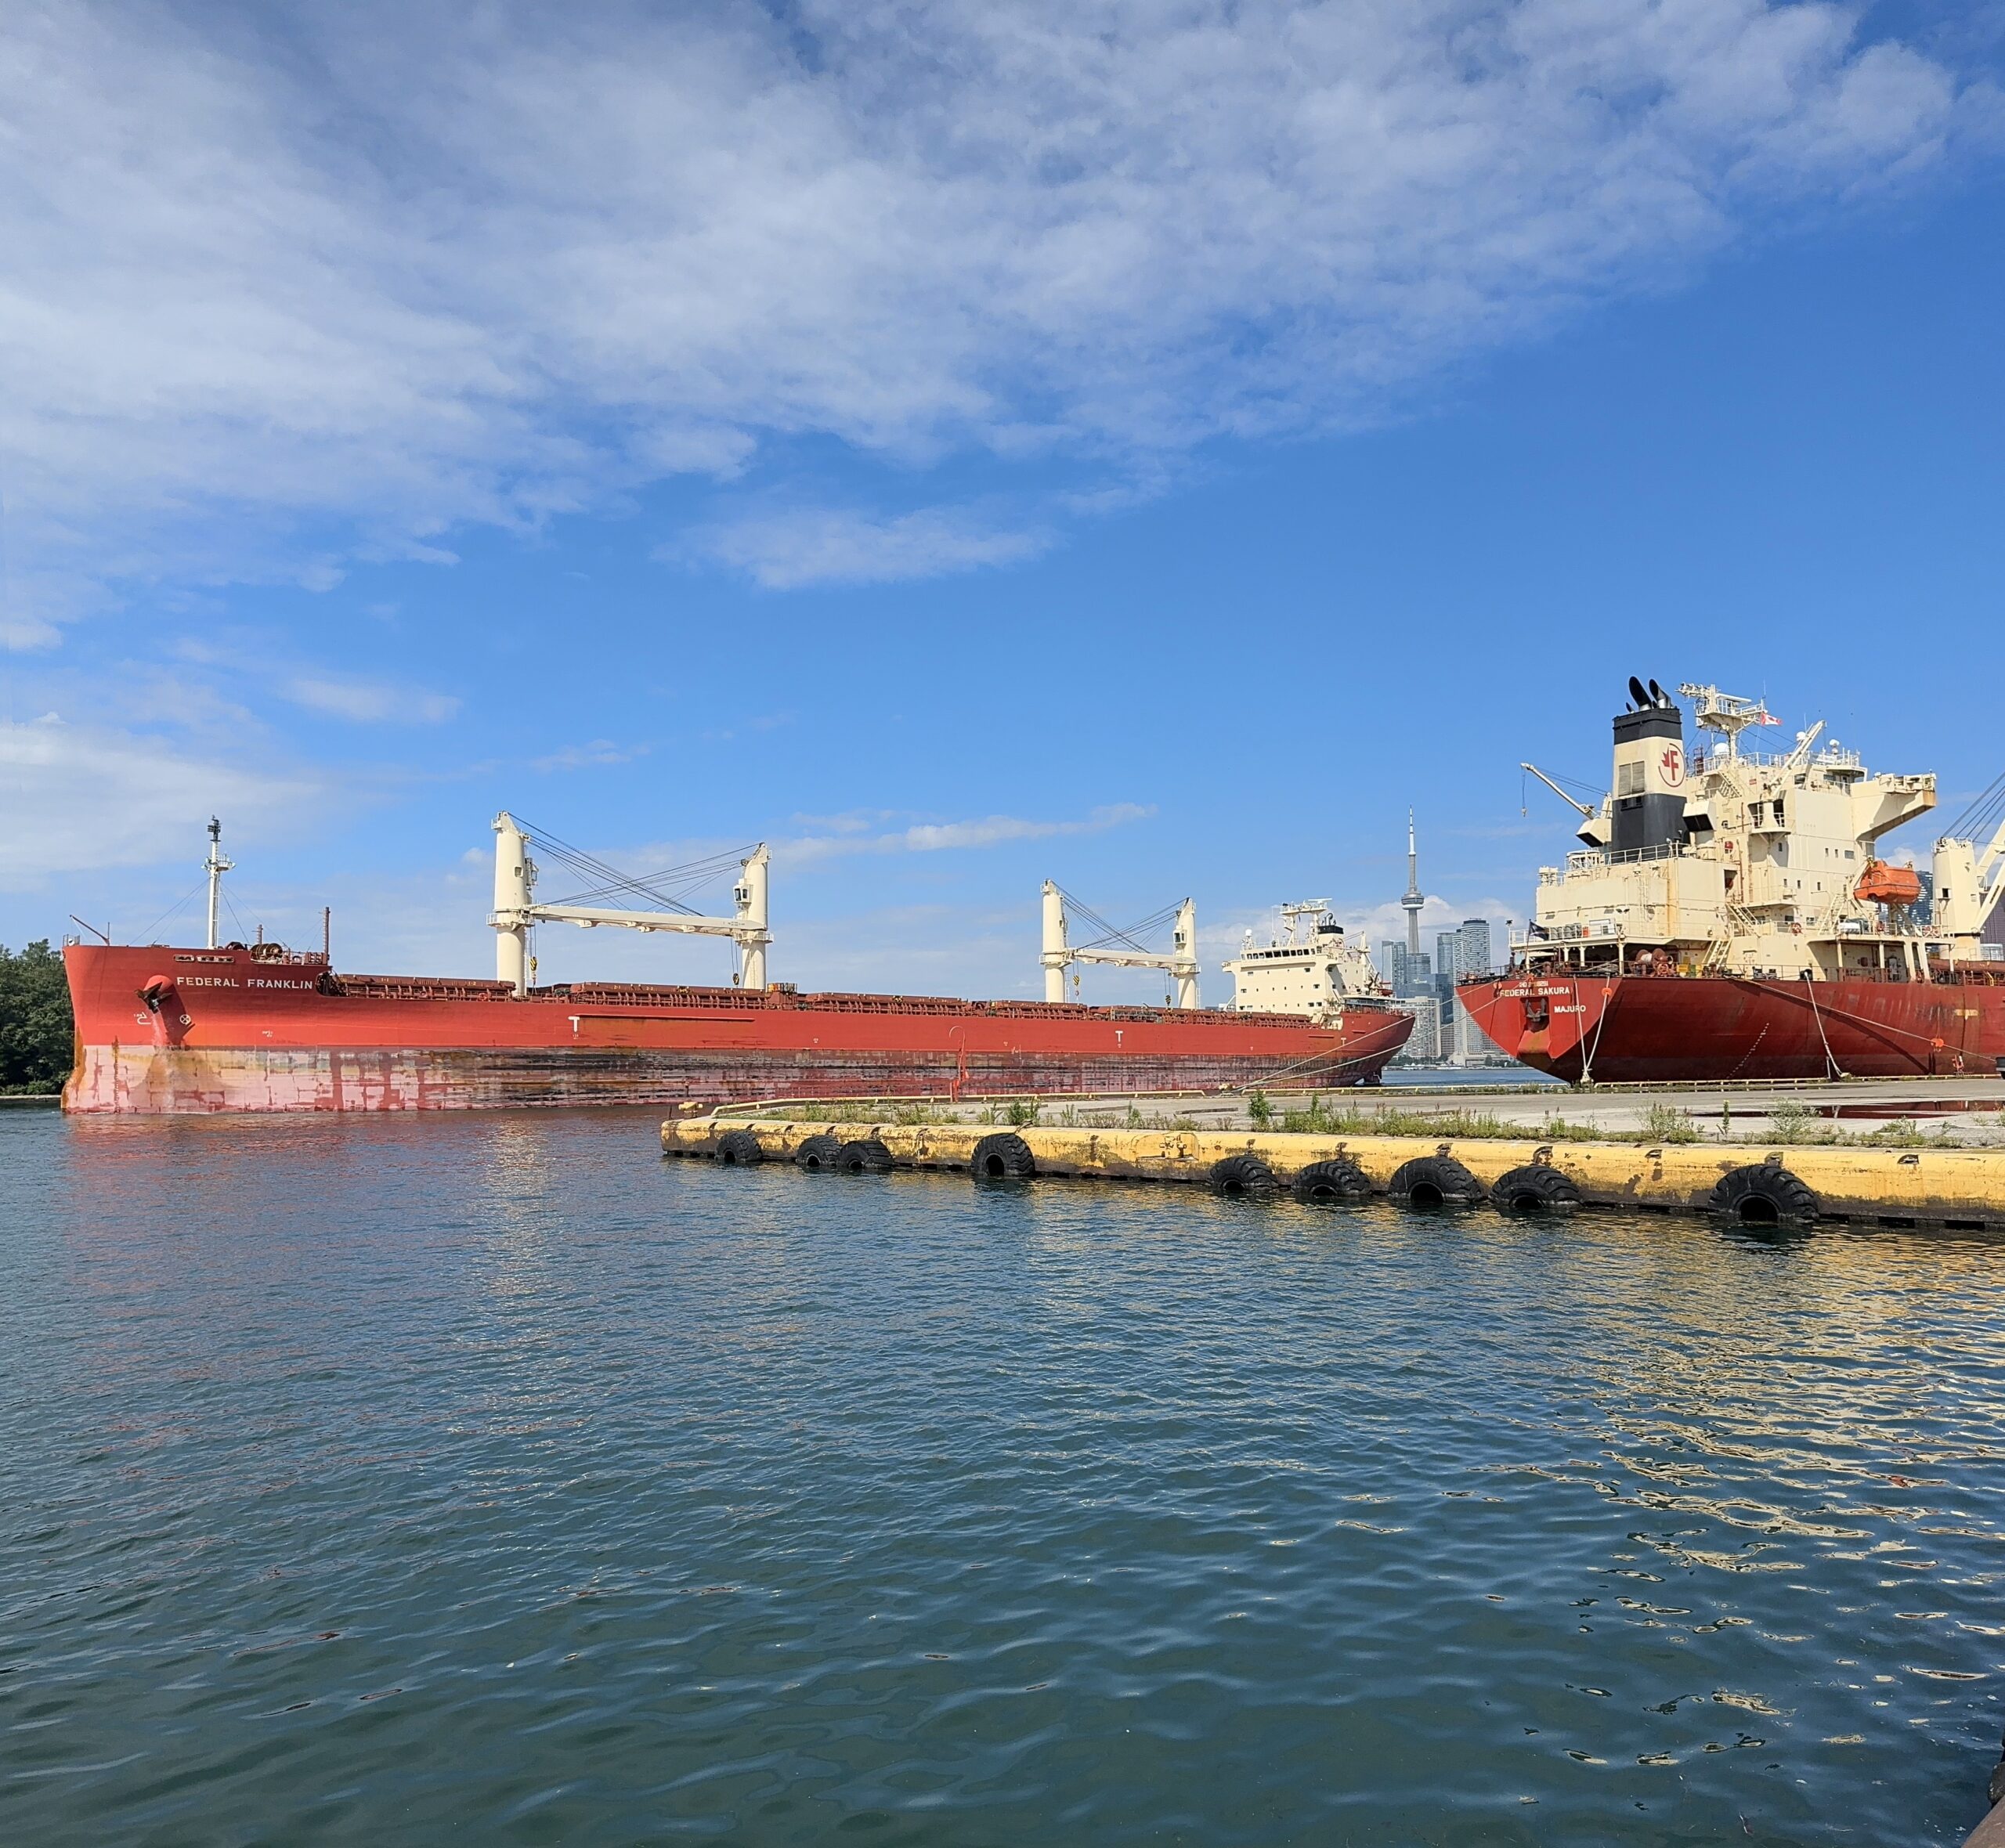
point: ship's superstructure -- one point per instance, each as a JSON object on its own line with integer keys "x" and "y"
{"x": 1755, "y": 880}
{"x": 1309, "y": 967}
{"x": 1736, "y": 861}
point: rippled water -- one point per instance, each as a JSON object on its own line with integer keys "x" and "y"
{"x": 383, "y": 1482}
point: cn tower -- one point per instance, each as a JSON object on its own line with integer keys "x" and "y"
{"x": 1413, "y": 899}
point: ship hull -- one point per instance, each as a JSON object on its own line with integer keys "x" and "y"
{"x": 167, "y": 1032}
{"x": 1638, "y": 1029}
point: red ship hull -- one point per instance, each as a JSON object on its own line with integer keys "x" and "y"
{"x": 166, "y": 1031}
{"x": 1631, "y": 1029}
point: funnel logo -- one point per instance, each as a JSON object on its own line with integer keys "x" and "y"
{"x": 1672, "y": 765}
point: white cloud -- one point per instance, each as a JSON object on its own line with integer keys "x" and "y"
{"x": 601, "y": 751}
{"x": 368, "y": 702}
{"x": 933, "y": 837}
{"x": 385, "y": 270}
{"x": 785, "y": 551}
{"x": 83, "y": 797}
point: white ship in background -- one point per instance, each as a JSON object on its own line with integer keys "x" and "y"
{"x": 1310, "y": 968}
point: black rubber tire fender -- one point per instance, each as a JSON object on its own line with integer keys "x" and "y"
{"x": 1326, "y": 1183}
{"x": 817, "y": 1154}
{"x": 1434, "y": 1181}
{"x": 1535, "y": 1188}
{"x": 1242, "y": 1176}
{"x": 864, "y": 1155}
{"x": 739, "y": 1148}
{"x": 1765, "y": 1193}
{"x": 1004, "y": 1156}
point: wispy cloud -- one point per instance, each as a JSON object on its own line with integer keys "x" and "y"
{"x": 85, "y": 797}
{"x": 368, "y": 702}
{"x": 375, "y": 271}
{"x": 601, "y": 751}
{"x": 785, "y": 551}
{"x": 934, "y": 837}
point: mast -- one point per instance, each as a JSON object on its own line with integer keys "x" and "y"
{"x": 215, "y": 866}
{"x": 1413, "y": 899}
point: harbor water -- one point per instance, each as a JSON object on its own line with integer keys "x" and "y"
{"x": 393, "y": 1480}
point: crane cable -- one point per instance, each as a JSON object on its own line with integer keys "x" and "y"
{"x": 661, "y": 887}
{"x": 1130, "y": 937}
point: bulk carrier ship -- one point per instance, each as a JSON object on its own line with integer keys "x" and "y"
{"x": 1730, "y": 916}
{"x": 257, "y": 1026}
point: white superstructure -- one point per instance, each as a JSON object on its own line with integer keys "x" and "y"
{"x": 1310, "y": 968}
{"x": 1739, "y": 862}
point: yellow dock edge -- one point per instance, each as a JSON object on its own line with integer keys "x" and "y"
{"x": 1958, "y": 1188}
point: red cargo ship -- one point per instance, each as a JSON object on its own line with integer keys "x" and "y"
{"x": 1729, "y": 917}
{"x": 258, "y": 1027}
{"x": 1638, "y": 1028}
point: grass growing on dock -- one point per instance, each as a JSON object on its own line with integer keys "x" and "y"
{"x": 860, "y": 1110}
{"x": 1785, "y": 1124}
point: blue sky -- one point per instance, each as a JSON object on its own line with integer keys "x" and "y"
{"x": 1149, "y": 447}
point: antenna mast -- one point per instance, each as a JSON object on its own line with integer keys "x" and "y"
{"x": 1414, "y": 900}
{"x": 215, "y": 866}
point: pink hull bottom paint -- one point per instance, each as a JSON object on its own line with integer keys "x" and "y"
{"x": 144, "y": 1080}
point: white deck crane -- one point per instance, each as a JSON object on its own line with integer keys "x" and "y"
{"x": 515, "y": 911}
{"x": 1181, "y": 960}
{"x": 1970, "y": 879}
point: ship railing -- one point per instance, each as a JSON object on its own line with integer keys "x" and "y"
{"x": 1591, "y": 859}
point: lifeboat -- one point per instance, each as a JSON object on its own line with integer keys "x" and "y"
{"x": 1882, "y": 884}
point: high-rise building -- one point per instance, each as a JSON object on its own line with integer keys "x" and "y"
{"x": 1424, "y": 1047}
{"x": 1406, "y": 971}
{"x": 1474, "y": 957}
{"x": 1459, "y": 953}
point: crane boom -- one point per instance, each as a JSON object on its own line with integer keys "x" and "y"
{"x": 1573, "y": 802}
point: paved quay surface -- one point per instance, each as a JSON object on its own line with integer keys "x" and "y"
{"x": 1966, "y": 1112}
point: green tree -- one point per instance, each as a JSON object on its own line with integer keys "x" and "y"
{"x": 35, "y": 1033}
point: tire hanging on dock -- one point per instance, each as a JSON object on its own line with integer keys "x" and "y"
{"x": 739, "y": 1148}
{"x": 817, "y": 1154}
{"x": 1002, "y": 1157}
{"x": 1242, "y": 1177}
{"x": 1535, "y": 1188}
{"x": 1434, "y": 1181}
{"x": 1338, "y": 1182}
{"x": 866, "y": 1155}
{"x": 1765, "y": 1193}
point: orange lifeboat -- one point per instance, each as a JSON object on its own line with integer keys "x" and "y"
{"x": 1882, "y": 884}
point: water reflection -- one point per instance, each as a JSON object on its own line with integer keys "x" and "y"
{"x": 499, "y": 1476}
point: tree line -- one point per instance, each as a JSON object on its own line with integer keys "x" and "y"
{"x": 36, "y": 1032}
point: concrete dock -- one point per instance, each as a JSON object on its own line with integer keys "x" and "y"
{"x": 1948, "y": 1188}
{"x": 1969, "y": 1110}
